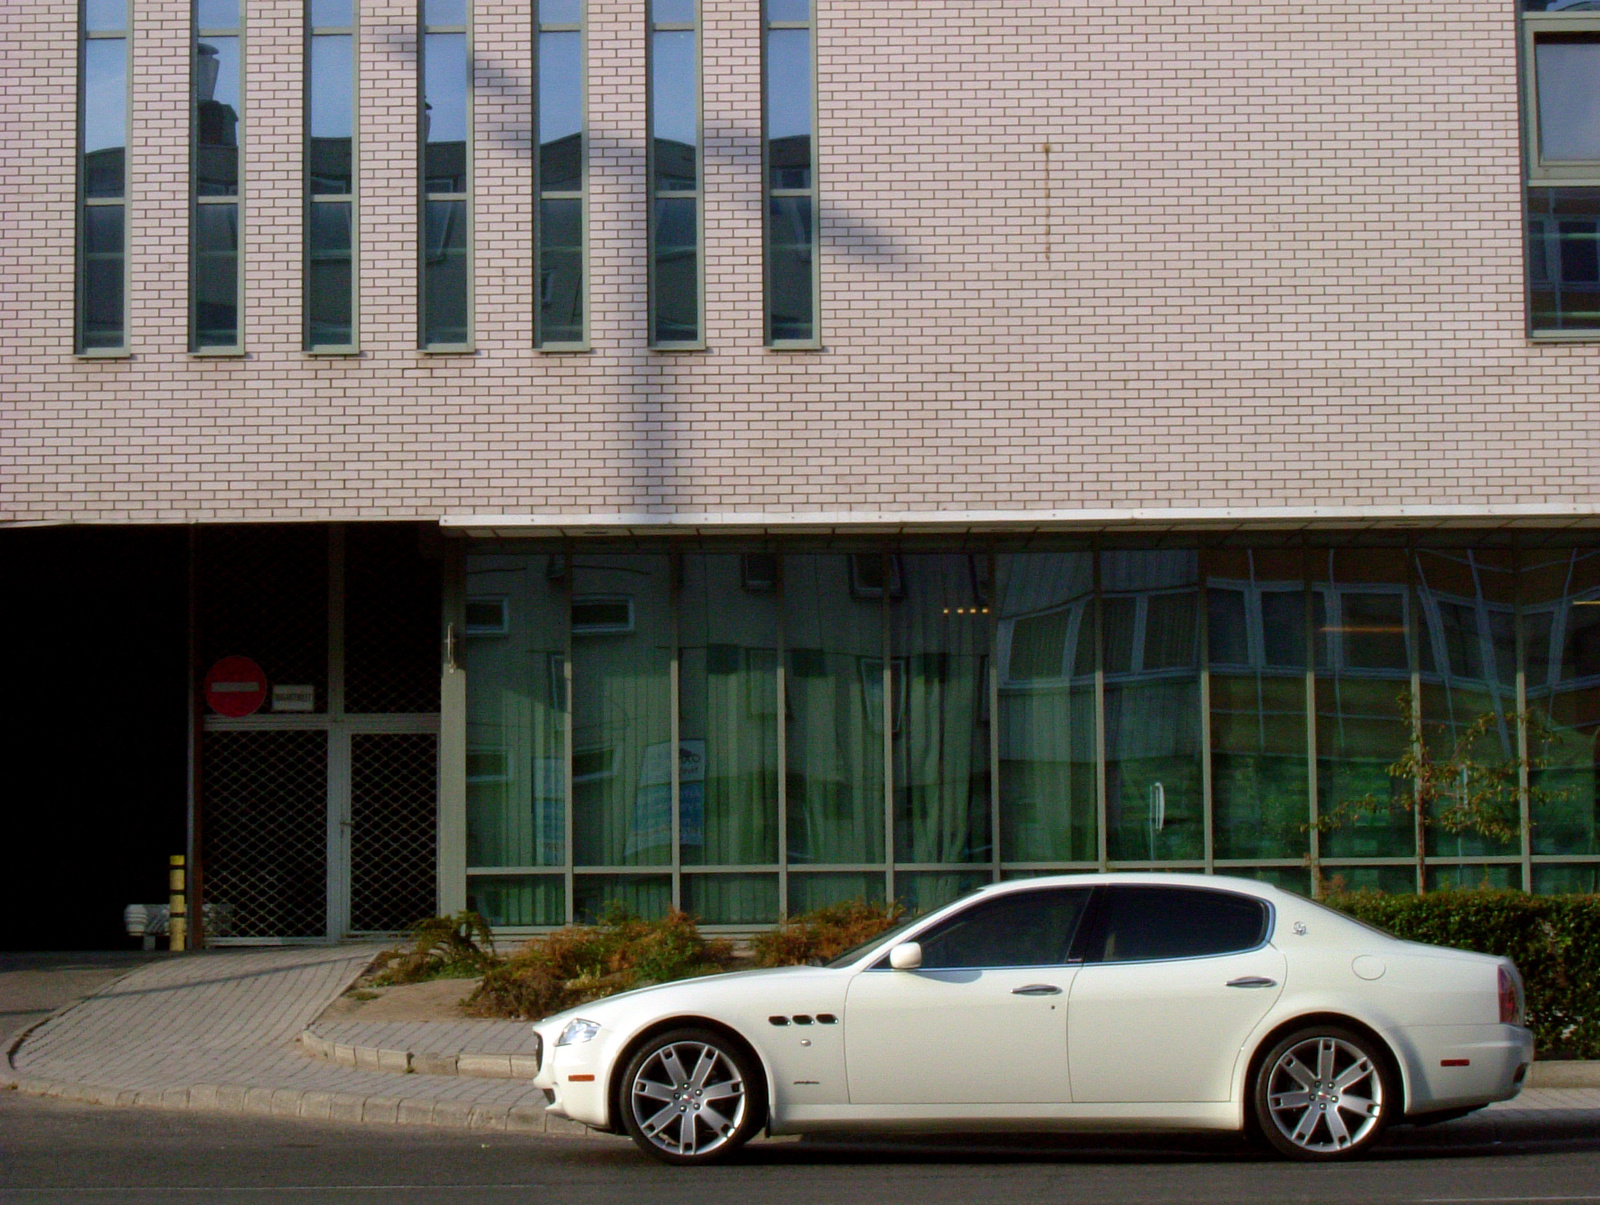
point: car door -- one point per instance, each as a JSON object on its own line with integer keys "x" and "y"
{"x": 983, "y": 1020}
{"x": 1173, "y": 980}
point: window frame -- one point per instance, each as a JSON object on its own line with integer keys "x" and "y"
{"x": 581, "y": 195}
{"x": 696, "y": 195}
{"x": 80, "y": 347}
{"x": 1090, "y": 925}
{"x": 310, "y": 199}
{"x": 769, "y": 193}
{"x": 237, "y": 200}
{"x": 465, "y": 198}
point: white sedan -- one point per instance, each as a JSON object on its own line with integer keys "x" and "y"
{"x": 1081, "y": 1002}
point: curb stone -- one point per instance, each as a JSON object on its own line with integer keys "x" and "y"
{"x": 418, "y": 1062}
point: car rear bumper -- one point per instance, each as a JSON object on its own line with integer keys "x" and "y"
{"x": 1452, "y": 1066}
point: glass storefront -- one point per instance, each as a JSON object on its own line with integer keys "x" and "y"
{"x": 752, "y": 734}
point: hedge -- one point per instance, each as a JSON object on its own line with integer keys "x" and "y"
{"x": 1553, "y": 939}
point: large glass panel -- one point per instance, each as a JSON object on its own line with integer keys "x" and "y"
{"x": 1561, "y": 621}
{"x": 1471, "y": 878}
{"x": 808, "y": 892}
{"x": 332, "y": 13}
{"x": 518, "y": 900}
{"x": 622, "y": 755}
{"x": 560, "y": 111}
{"x": 102, "y": 287}
{"x": 1256, "y": 633}
{"x": 1047, "y": 735}
{"x": 674, "y": 108}
{"x": 1361, "y": 620}
{"x": 217, "y": 14}
{"x": 922, "y": 891}
{"x": 514, "y": 653}
{"x": 331, "y": 121}
{"x": 731, "y": 899}
{"x": 561, "y": 270}
{"x": 1566, "y": 880}
{"x": 1154, "y": 808}
{"x": 833, "y": 628}
{"x": 444, "y": 12}
{"x": 445, "y": 273}
{"x": 941, "y": 630}
{"x": 105, "y": 16}
{"x": 216, "y": 85}
{"x": 329, "y": 285}
{"x": 560, "y": 12}
{"x": 597, "y": 896}
{"x": 677, "y": 270}
{"x": 728, "y": 714}
{"x": 216, "y": 275}
{"x": 1564, "y": 258}
{"x": 105, "y": 116}
{"x": 444, "y": 116}
{"x": 1468, "y": 654}
{"x": 789, "y": 107}
{"x": 789, "y": 280}
{"x": 1567, "y": 71}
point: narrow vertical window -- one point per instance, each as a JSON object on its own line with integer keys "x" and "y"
{"x": 791, "y": 208}
{"x": 561, "y": 175}
{"x": 446, "y": 175}
{"x": 675, "y": 319}
{"x": 1561, "y": 59}
{"x": 102, "y": 178}
{"x": 218, "y": 127}
{"x": 330, "y": 176}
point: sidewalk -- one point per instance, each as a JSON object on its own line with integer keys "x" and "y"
{"x": 237, "y": 1031}
{"x": 218, "y": 1031}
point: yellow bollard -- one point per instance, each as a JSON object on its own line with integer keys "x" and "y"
{"x": 177, "y": 911}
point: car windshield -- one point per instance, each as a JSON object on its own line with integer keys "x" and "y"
{"x": 856, "y": 951}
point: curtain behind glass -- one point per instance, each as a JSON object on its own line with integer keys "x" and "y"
{"x": 1047, "y": 740}
{"x": 833, "y": 623}
{"x": 622, "y": 720}
{"x": 940, "y": 634}
{"x": 513, "y": 653}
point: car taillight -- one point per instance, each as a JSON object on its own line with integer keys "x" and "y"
{"x": 1510, "y": 1001}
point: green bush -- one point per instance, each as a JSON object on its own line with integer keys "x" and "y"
{"x": 587, "y": 962}
{"x": 1553, "y": 939}
{"x": 442, "y": 947}
{"x": 824, "y": 934}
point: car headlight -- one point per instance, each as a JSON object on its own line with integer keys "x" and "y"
{"x": 578, "y": 1031}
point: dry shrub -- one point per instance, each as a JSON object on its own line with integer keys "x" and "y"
{"x": 587, "y": 962}
{"x": 825, "y": 934}
{"x": 442, "y": 947}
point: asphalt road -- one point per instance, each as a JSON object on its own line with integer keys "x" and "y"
{"x": 56, "y": 1152}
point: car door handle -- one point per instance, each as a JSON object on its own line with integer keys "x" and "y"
{"x": 1253, "y": 981}
{"x": 1037, "y": 989}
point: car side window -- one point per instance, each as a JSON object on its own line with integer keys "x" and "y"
{"x": 1019, "y": 929}
{"x": 1143, "y": 924}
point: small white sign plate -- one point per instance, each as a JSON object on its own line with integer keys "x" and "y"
{"x": 293, "y": 698}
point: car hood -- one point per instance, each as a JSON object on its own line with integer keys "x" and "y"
{"x": 703, "y": 988}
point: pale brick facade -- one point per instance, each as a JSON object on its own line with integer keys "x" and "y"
{"x": 1080, "y": 256}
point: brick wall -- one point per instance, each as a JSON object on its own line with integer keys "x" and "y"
{"x": 1270, "y": 257}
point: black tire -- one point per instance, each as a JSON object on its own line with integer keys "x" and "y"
{"x": 683, "y": 1119}
{"x": 1325, "y": 1093}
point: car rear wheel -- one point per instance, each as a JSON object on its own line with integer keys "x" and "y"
{"x": 1325, "y": 1093}
{"x": 691, "y": 1096}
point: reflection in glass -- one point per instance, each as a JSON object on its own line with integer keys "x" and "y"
{"x": 332, "y": 112}
{"x": 622, "y": 759}
{"x": 677, "y": 270}
{"x": 1361, "y": 621}
{"x": 789, "y": 269}
{"x": 835, "y": 715}
{"x": 1047, "y": 734}
{"x": 445, "y": 273}
{"x": 561, "y": 270}
{"x": 788, "y": 10}
{"x": 1256, "y": 635}
{"x": 728, "y": 715}
{"x": 1561, "y": 621}
{"x": 444, "y": 12}
{"x": 789, "y": 107}
{"x": 731, "y": 899}
{"x": 675, "y": 12}
{"x": 594, "y": 897}
{"x": 1566, "y": 880}
{"x": 1150, "y": 635}
{"x": 1564, "y": 258}
{"x": 674, "y": 109}
{"x": 217, "y": 14}
{"x": 560, "y": 12}
{"x": 102, "y": 284}
{"x": 332, "y": 14}
{"x": 518, "y": 901}
{"x": 105, "y": 116}
{"x": 105, "y": 16}
{"x": 216, "y": 275}
{"x": 940, "y": 635}
{"x": 1567, "y": 68}
{"x": 560, "y": 111}
{"x": 216, "y": 88}
{"x": 808, "y": 892}
{"x": 329, "y": 282}
{"x": 444, "y": 119}
{"x": 922, "y": 891}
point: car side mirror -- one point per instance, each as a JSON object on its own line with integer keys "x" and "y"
{"x": 907, "y": 956}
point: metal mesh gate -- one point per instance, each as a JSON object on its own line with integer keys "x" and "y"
{"x": 392, "y": 604}
{"x": 266, "y": 833}
{"x": 393, "y": 830}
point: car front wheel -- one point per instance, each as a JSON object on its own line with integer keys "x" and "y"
{"x": 1325, "y": 1093}
{"x": 691, "y": 1096}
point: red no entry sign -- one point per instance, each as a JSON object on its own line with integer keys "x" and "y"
{"x": 235, "y": 686}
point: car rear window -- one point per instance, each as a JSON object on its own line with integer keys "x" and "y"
{"x": 1142, "y": 924}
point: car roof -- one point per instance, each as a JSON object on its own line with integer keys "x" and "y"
{"x": 1141, "y": 878}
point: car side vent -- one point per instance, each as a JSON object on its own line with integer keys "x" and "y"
{"x": 778, "y": 1020}
{"x": 826, "y": 1019}
{"x": 802, "y": 1019}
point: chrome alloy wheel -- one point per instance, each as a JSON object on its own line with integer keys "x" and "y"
{"x": 1325, "y": 1095}
{"x": 688, "y": 1098}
